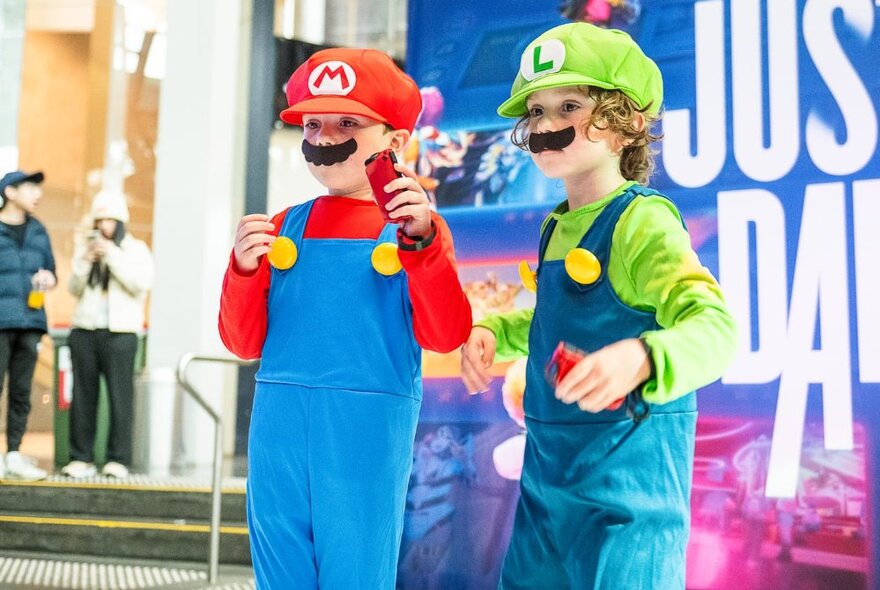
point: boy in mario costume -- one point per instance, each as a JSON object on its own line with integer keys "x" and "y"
{"x": 338, "y": 304}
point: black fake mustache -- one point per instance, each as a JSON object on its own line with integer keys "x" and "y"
{"x": 551, "y": 140}
{"x": 327, "y": 155}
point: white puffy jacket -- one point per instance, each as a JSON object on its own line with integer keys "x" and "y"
{"x": 131, "y": 276}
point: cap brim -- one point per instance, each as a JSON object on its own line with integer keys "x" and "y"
{"x": 515, "y": 106}
{"x": 325, "y": 105}
{"x": 36, "y": 177}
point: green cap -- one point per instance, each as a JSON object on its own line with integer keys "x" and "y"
{"x": 583, "y": 54}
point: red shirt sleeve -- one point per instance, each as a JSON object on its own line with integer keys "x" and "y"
{"x": 244, "y": 305}
{"x": 441, "y": 312}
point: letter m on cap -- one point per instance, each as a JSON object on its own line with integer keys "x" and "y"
{"x": 332, "y": 77}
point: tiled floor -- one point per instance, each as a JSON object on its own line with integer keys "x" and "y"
{"x": 31, "y": 572}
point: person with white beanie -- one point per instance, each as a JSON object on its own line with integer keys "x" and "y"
{"x": 111, "y": 274}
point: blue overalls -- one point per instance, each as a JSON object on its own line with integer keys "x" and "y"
{"x": 334, "y": 419}
{"x": 604, "y": 497}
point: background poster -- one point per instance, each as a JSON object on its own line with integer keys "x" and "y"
{"x": 770, "y": 151}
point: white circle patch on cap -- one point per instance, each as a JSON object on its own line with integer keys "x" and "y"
{"x": 332, "y": 77}
{"x": 542, "y": 59}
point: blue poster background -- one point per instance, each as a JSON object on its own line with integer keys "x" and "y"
{"x": 744, "y": 535}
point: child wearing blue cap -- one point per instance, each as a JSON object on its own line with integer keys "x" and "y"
{"x": 607, "y": 470}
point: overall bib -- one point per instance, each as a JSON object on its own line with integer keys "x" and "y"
{"x": 604, "y": 497}
{"x": 334, "y": 418}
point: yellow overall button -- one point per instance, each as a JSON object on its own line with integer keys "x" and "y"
{"x": 528, "y": 277}
{"x": 582, "y": 266}
{"x": 282, "y": 254}
{"x": 385, "y": 259}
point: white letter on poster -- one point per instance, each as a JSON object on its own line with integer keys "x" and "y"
{"x": 711, "y": 150}
{"x": 755, "y": 160}
{"x": 866, "y": 221}
{"x": 819, "y": 290}
{"x": 853, "y": 100}
{"x": 737, "y": 210}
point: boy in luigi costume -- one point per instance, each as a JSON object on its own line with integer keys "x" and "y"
{"x": 605, "y": 485}
{"x": 339, "y": 317}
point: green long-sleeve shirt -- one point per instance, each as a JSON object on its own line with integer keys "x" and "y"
{"x": 652, "y": 267}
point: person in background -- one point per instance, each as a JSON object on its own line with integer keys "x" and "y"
{"x": 110, "y": 275}
{"x": 27, "y": 271}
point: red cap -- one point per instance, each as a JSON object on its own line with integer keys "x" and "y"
{"x": 363, "y": 82}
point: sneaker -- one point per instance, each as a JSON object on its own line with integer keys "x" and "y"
{"x": 114, "y": 469}
{"x": 21, "y": 468}
{"x": 30, "y": 460}
{"x": 79, "y": 470}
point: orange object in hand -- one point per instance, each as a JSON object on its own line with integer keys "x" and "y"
{"x": 36, "y": 299}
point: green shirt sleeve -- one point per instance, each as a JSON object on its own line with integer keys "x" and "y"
{"x": 511, "y": 331}
{"x": 664, "y": 274}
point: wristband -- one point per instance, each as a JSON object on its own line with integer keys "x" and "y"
{"x": 409, "y": 244}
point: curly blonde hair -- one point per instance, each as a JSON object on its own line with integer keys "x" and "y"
{"x": 615, "y": 111}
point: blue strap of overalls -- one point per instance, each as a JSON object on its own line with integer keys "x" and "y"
{"x": 294, "y": 223}
{"x": 604, "y": 224}
{"x": 637, "y": 408}
{"x": 388, "y": 234}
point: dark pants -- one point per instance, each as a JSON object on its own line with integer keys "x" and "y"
{"x": 94, "y": 353}
{"x": 18, "y": 354}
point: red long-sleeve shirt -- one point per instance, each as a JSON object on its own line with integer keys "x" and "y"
{"x": 441, "y": 311}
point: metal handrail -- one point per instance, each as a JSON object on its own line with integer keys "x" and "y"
{"x": 182, "y": 366}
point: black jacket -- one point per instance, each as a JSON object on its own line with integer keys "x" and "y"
{"x": 17, "y": 266}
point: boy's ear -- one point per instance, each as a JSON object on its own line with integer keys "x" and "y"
{"x": 639, "y": 121}
{"x": 399, "y": 139}
{"x": 638, "y": 125}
